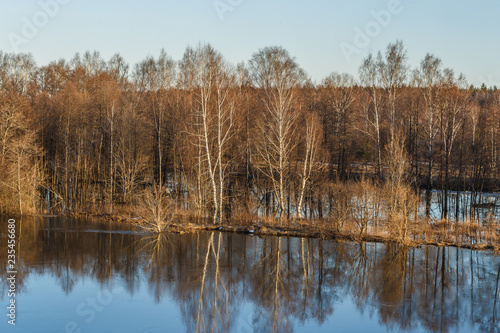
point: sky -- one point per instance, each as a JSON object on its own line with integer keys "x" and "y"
{"x": 324, "y": 36}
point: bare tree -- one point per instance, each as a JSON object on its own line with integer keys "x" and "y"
{"x": 118, "y": 69}
{"x": 365, "y": 203}
{"x": 428, "y": 78}
{"x": 214, "y": 118}
{"x": 156, "y": 79}
{"x": 19, "y": 165}
{"x": 312, "y": 144}
{"x": 393, "y": 72}
{"x": 370, "y": 79}
{"x": 453, "y": 107}
{"x": 131, "y": 161}
{"x": 400, "y": 199}
{"x": 157, "y": 209}
{"x": 277, "y": 74}
{"x": 341, "y": 95}
{"x": 20, "y": 70}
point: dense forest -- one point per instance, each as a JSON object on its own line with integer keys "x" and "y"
{"x": 218, "y": 141}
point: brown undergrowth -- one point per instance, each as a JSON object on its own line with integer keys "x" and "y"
{"x": 464, "y": 234}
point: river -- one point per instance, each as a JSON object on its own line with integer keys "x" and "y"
{"x": 76, "y": 275}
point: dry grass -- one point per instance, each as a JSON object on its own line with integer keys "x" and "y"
{"x": 361, "y": 211}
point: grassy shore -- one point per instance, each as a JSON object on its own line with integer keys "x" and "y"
{"x": 464, "y": 234}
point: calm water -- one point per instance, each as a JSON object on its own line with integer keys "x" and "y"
{"x": 79, "y": 276}
{"x": 459, "y": 204}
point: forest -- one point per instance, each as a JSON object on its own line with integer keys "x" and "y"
{"x": 202, "y": 139}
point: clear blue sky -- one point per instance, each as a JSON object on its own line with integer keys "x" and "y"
{"x": 464, "y": 34}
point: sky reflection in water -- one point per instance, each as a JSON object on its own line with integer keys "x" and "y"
{"x": 72, "y": 277}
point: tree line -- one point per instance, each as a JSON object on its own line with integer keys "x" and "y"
{"x": 218, "y": 140}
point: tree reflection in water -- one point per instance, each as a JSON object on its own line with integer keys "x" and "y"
{"x": 286, "y": 282}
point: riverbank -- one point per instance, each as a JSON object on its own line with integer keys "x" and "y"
{"x": 466, "y": 234}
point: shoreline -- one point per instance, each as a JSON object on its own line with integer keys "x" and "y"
{"x": 294, "y": 229}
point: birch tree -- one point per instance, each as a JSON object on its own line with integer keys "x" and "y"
{"x": 393, "y": 72}
{"x": 453, "y": 106}
{"x": 214, "y": 124}
{"x": 370, "y": 79}
{"x": 428, "y": 78}
{"x": 312, "y": 144}
{"x": 277, "y": 74}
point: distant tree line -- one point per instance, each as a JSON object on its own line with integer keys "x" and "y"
{"x": 257, "y": 138}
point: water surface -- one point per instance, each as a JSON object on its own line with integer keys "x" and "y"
{"x": 82, "y": 276}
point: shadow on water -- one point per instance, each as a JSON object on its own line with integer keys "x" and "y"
{"x": 236, "y": 283}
